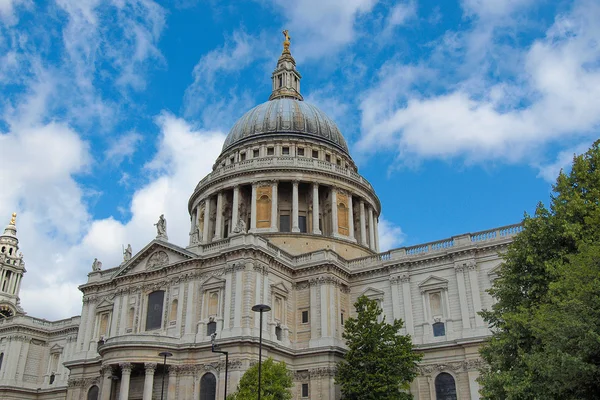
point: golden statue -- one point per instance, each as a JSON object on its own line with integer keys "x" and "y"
{"x": 286, "y": 42}
{"x": 13, "y": 220}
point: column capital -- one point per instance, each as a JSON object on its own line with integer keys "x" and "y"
{"x": 315, "y": 183}
{"x": 106, "y": 370}
{"x": 126, "y": 367}
{"x": 149, "y": 368}
{"x": 296, "y": 182}
{"x": 459, "y": 266}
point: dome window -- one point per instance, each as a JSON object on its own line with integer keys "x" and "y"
{"x": 328, "y": 157}
{"x": 255, "y": 153}
{"x": 285, "y": 151}
{"x": 243, "y": 156}
{"x": 315, "y": 154}
{"x": 301, "y": 151}
{"x": 270, "y": 151}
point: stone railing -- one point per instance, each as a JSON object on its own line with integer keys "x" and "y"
{"x": 394, "y": 255}
{"x": 40, "y": 322}
{"x": 283, "y": 162}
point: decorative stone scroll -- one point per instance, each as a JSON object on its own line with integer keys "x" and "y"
{"x": 157, "y": 260}
{"x": 457, "y": 366}
{"x": 315, "y": 373}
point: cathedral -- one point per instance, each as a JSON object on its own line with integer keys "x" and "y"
{"x": 284, "y": 219}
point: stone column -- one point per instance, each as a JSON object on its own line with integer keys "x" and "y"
{"x": 408, "y": 316}
{"x": 315, "y": 209}
{"x": 376, "y": 226}
{"x": 206, "y": 220}
{"x": 475, "y": 294}
{"x": 350, "y": 217}
{"x": 363, "y": 224}
{"x": 235, "y": 207}
{"x": 106, "y": 382}
{"x": 253, "y": 208}
{"x": 295, "y": 227}
{"x": 172, "y": 387}
{"x": 462, "y": 295}
{"x": 334, "y": 213}
{"x": 125, "y": 376}
{"x": 473, "y": 384}
{"x": 219, "y": 217}
{"x": 148, "y": 380}
{"x": 274, "y": 205}
{"x": 371, "y": 229}
{"x": 313, "y": 310}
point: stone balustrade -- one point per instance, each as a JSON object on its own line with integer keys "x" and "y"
{"x": 399, "y": 254}
{"x": 266, "y": 163}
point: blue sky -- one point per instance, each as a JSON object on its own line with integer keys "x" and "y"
{"x": 460, "y": 113}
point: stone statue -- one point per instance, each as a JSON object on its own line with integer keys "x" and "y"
{"x": 127, "y": 253}
{"x": 240, "y": 227}
{"x": 161, "y": 228}
{"x": 96, "y": 265}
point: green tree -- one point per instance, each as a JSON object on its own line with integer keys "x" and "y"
{"x": 546, "y": 321}
{"x": 276, "y": 382}
{"x": 380, "y": 363}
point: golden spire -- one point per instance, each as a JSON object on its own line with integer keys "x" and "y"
{"x": 13, "y": 220}
{"x": 286, "y": 42}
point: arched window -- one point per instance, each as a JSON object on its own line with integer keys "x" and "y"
{"x": 173, "y": 313}
{"x": 208, "y": 387}
{"x": 1, "y": 359}
{"x": 278, "y": 332}
{"x": 445, "y": 388}
{"x": 93, "y": 393}
{"x": 155, "y": 310}
{"x": 263, "y": 211}
{"x": 342, "y": 212}
{"x": 211, "y": 328}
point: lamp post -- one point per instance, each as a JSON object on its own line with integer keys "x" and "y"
{"x": 213, "y": 338}
{"x": 260, "y": 308}
{"x": 164, "y": 354}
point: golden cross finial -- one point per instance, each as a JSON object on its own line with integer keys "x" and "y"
{"x": 13, "y": 220}
{"x": 286, "y": 42}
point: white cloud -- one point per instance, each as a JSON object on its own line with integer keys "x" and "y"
{"x": 322, "y": 26}
{"x": 401, "y": 13}
{"x": 563, "y": 161}
{"x": 184, "y": 156}
{"x": 122, "y": 147}
{"x": 491, "y": 9}
{"x": 551, "y": 99}
{"x": 390, "y": 235}
{"x": 7, "y": 10}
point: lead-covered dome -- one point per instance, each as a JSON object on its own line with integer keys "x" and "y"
{"x": 285, "y": 116}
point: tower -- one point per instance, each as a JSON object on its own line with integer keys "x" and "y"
{"x": 12, "y": 269}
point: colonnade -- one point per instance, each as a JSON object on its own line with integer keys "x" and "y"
{"x": 108, "y": 381}
{"x": 325, "y": 205}
{"x": 13, "y": 284}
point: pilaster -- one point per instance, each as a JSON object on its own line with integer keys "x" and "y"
{"x": 295, "y": 227}
{"x": 315, "y": 210}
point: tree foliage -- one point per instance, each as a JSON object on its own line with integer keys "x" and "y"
{"x": 546, "y": 321}
{"x": 276, "y": 382}
{"x": 380, "y": 363}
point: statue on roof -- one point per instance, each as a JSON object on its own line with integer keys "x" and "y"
{"x": 13, "y": 220}
{"x": 127, "y": 253}
{"x": 96, "y": 265}
{"x": 286, "y": 42}
{"x": 161, "y": 228}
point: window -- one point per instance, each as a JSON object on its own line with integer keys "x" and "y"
{"x": 439, "y": 329}
{"x": 103, "y": 331}
{"x": 445, "y": 388}
{"x": 339, "y": 161}
{"x": 435, "y": 303}
{"x": 278, "y": 332}
{"x": 211, "y": 328}
{"x": 213, "y": 303}
{"x": 300, "y": 151}
{"x": 302, "y": 223}
{"x": 1, "y": 359}
{"x": 315, "y": 154}
{"x": 270, "y": 151}
{"x": 342, "y": 318}
{"x": 255, "y": 153}
{"x": 284, "y": 223}
{"x": 328, "y": 157}
{"x": 285, "y": 150}
{"x": 52, "y": 377}
{"x": 208, "y": 387}
{"x": 305, "y": 317}
{"x": 305, "y": 390}
{"x": 242, "y": 156}
{"x": 231, "y": 160}
{"x": 130, "y": 316}
{"x": 280, "y": 81}
{"x": 155, "y": 310}
{"x": 93, "y": 393}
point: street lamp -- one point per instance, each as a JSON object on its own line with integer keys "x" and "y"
{"x": 213, "y": 338}
{"x": 260, "y": 308}
{"x": 164, "y": 354}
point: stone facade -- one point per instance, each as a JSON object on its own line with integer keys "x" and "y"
{"x": 284, "y": 219}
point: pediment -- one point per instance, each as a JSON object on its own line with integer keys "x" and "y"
{"x": 105, "y": 304}
{"x": 56, "y": 349}
{"x": 155, "y": 255}
{"x": 494, "y": 272}
{"x": 373, "y": 293}
{"x": 213, "y": 282}
{"x": 280, "y": 287}
{"x": 433, "y": 282}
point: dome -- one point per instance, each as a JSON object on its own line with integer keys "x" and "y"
{"x": 285, "y": 116}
